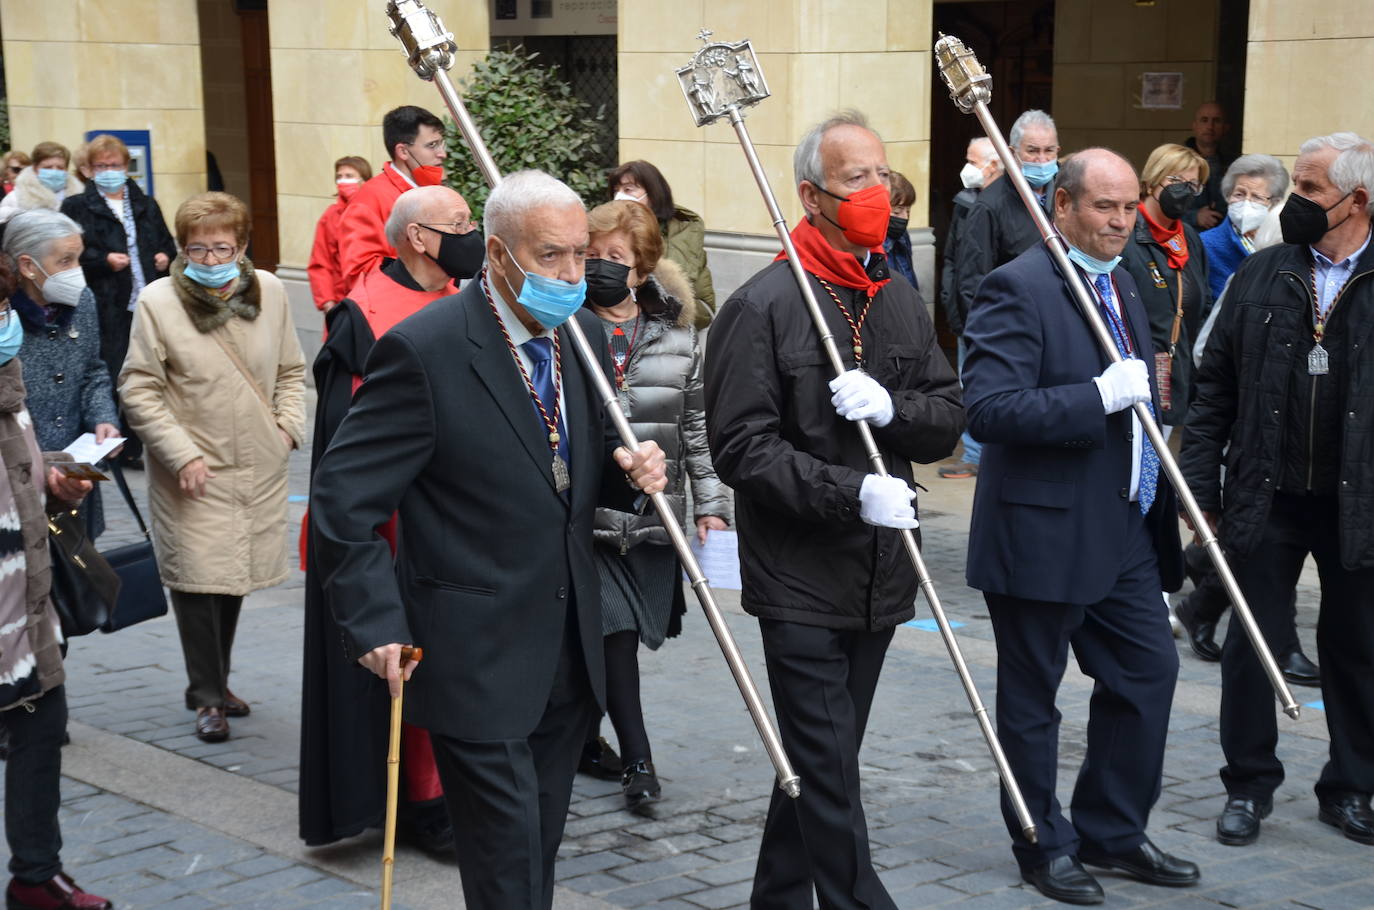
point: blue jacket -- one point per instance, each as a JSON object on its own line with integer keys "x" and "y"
{"x": 1224, "y": 255}
{"x": 1050, "y": 508}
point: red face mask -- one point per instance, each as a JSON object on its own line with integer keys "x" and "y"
{"x": 863, "y": 215}
{"x": 429, "y": 175}
{"x": 346, "y": 190}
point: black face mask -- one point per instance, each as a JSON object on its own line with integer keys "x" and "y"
{"x": 1174, "y": 200}
{"x": 1304, "y": 221}
{"x": 607, "y": 282}
{"x": 460, "y": 255}
{"x": 896, "y": 227}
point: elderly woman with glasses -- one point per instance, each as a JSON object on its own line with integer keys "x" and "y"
{"x": 127, "y": 247}
{"x": 1253, "y": 186}
{"x": 1169, "y": 264}
{"x": 15, "y": 161}
{"x": 215, "y": 384}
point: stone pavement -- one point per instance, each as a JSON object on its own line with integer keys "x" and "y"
{"x": 155, "y": 818}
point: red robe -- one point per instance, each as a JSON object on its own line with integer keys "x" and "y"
{"x": 326, "y": 278}
{"x": 362, "y": 230}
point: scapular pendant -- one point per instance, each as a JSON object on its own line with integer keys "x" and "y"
{"x": 1318, "y": 362}
{"x": 562, "y": 480}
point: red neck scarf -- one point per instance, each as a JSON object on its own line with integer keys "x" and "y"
{"x": 1172, "y": 239}
{"x": 829, "y": 264}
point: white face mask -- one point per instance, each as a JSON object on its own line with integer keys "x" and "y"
{"x": 972, "y": 176}
{"x": 1247, "y": 215}
{"x": 63, "y": 287}
{"x": 622, "y": 196}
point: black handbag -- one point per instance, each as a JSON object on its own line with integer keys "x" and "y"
{"x": 85, "y": 588}
{"x": 141, "y": 596}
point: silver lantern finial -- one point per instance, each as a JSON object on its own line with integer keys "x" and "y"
{"x": 721, "y": 77}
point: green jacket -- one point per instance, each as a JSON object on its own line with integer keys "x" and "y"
{"x": 684, "y": 236}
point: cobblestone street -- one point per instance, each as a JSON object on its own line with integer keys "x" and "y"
{"x": 153, "y": 817}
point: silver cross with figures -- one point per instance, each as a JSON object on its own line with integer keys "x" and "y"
{"x": 721, "y": 77}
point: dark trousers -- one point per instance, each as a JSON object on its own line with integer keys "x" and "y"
{"x": 822, "y": 682}
{"x": 33, "y": 786}
{"x": 1209, "y": 599}
{"x": 508, "y": 799}
{"x": 1299, "y": 525}
{"x": 622, "y": 697}
{"x": 206, "y": 623}
{"x": 1124, "y": 643}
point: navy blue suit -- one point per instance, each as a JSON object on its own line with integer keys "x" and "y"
{"x": 1065, "y": 558}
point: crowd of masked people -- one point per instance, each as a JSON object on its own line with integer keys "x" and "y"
{"x": 469, "y": 494}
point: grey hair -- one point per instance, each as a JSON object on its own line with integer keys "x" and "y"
{"x": 806, "y": 160}
{"x": 519, "y": 193}
{"x": 985, "y": 150}
{"x": 1354, "y": 165}
{"x": 1031, "y": 117}
{"x": 32, "y": 233}
{"x": 410, "y": 209}
{"x": 1266, "y": 166}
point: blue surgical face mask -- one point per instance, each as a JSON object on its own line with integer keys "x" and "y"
{"x": 1090, "y": 265}
{"x": 212, "y": 276}
{"x": 54, "y": 178}
{"x": 1039, "y": 173}
{"x": 11, "y": 336}
{"x": 109, "y": 181}
{"x": 549, "y": 300}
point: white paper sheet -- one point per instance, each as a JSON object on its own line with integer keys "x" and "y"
{"x": 719, "y": 558}
{"x": 85, "y": 450}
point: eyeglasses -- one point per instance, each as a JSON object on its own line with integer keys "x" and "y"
{"x": 434, "y": 145}
{"x": 1246, "y": 196}
{"x": 1192, "y": 185}
{"x": 13, "y": 168}
{"x": 448, "y": 227}
{"x": 222, "y": 252}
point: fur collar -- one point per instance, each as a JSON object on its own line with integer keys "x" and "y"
{"x": 208, "y": 311}
{"x": 30, "y": 192}
{"x": 667, "y": 295}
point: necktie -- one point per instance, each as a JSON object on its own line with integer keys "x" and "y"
{"x": 1149, "y": 458}
{"x": 540, "y": 351}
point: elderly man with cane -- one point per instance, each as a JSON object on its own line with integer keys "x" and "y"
{"x": 488, "y": 442}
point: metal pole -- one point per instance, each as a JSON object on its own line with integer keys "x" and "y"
{"x": 969, "y": 95}
{"x": 433, "y": 65}
{"x": 875, "y": 460}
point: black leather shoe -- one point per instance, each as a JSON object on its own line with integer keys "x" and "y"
{"x": 1149, "y": 864}
{"x": 640, "y": 784}
{"x": 1201, "y": 634}
{"x": 1298, "y": 670}
{"x": 1064, "y": 879}
{"x": 1239, "y": 822}
{"x": 429, "y": 829}
{"x": 599, "y": 760}
{"x": 1351, "y": 813}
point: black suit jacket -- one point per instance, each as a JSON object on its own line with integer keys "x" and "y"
{"x": 491, "y": 560}
{"x": 1050, "y": 510}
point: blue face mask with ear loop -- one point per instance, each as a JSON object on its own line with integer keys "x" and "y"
{"x": 11, "y": 336}
{"x": 1089, "y": 264}
{"x": 550, "y": 301}
{"x": 1039, "y": 173}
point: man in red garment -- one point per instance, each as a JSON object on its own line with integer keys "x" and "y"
{"x": 415, "y": 141}
{"x": 344, "y": 712}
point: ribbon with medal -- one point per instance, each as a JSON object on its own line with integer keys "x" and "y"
{"x": 1318, "y": 361}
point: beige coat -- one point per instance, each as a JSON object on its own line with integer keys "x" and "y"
{"x": 186, "y": 399}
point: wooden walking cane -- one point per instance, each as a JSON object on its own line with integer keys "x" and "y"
{"x": 393, "y": 776}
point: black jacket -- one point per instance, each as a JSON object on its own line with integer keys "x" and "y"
{"x": 1148, "y": 264}
{"x": 491, "y": 561}
{"x": 956, "y": 308}
{"x": 104, "y": 234}
{"x": 796, "y": 466}
{"x": 1244, "y": 396}
{"x": 997, "y": 230}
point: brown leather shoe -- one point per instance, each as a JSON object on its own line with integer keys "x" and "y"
{"x": 235, "y": 706}
{"x": 211, "y": 725}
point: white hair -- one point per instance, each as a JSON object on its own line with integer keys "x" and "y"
{"x": 410, "y": 208}
{"x": 519, "y": 193}
{"x": 806, "y": 160}
{"x": 32, "y": 233}
{"x": 1354, "y": 164}
{"x": 1266, "y": 166}
{"x": 981, "y": 147}
{"x": 1031, "y": 117}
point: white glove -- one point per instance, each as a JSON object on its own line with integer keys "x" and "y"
{"x": 1123, "y": 384}
{"x": 858, "y": 396}
{"x": 886, "y": 502}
